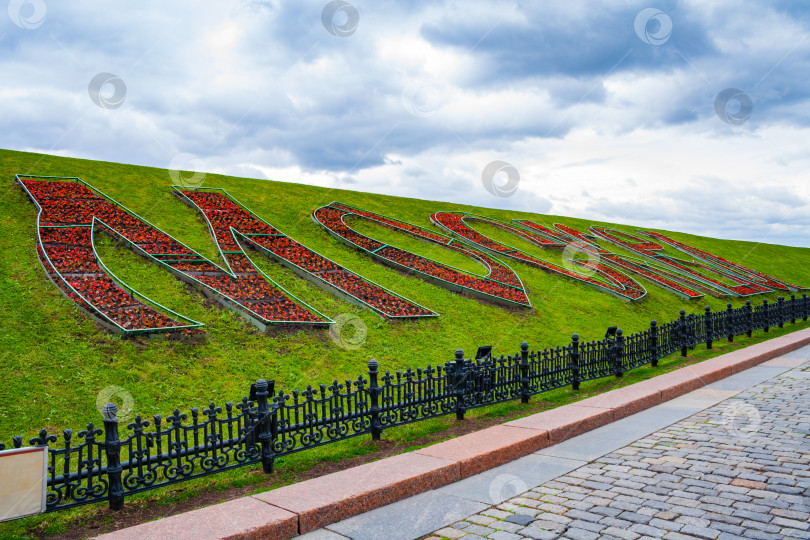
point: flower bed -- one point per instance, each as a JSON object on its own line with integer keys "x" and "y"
{"x": 500, "y": 285}
{"x": 65, "y": 249}
{"x": 612, "y": 282}
{"x": 745, "y": 284}
{"x": 675, "y": 282}
{"x": 627, "y": 241}
{"x": 715, "y": 260}
{"x": 660, "y": 277}
{"x": 230, "y": 222}
{"x": 69, "y": 213}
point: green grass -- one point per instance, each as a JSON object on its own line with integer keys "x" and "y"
{"x": 406, "y": 438}
{"x": 54, "y": 360}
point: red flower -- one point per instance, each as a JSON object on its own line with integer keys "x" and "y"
{"x": 501, "y": 282}
{"x": 225, "y": 215}
{"x": 614, "y": 282}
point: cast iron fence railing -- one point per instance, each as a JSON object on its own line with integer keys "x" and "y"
{"x": 96, "y": 464}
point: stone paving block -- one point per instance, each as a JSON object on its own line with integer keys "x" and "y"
{"x": 519, "y": 519}
{"x": 626, "y": 400}
{"x": 679, "y": 536}
{"x": 648, "y": 530}
{"x": 748, "y": 378}
{"x": 479, "y": 530}
{"x": 498, "y": 514}
{"x": 449, "y": 532}
{"x": 410, "y": 518}
{"x": 504, "y": 482}
{"x": 581, "y": 534}
{"x": 699, "y": 399}
{"x": 537, "y": 534}
{"x": 600, "y": 441}
{"x": 506, "y": 526}
{"x": 503, "y": 535}
{"x": 792, "y": 359}
{"x": 700, "y": 532}
{"x": 481, "y": 520}
{"x": 620, "y": 533}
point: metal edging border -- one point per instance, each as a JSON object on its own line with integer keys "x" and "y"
{"x": 454, "y": 287}
{"x": 327, "y": 321}
{"x": 427, "y": 240}
{"x": 303, "y": 273}
{"x": 601, "y": 288}
{"x": 705, "y": 281}
{"x": 99, "y": 314}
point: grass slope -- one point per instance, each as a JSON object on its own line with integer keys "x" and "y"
{"x": 54, "y": 360}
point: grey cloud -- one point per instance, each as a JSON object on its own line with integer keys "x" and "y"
{"x": 260, "y": 85}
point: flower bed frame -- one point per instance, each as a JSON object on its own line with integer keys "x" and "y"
{"x": 717, "y": 261}
{"x": 652, "y": 251}
{"x": 221, "y": 210}
{"x": 137, "y": 234}
{"x": 674, "y": 283}
{"x": 507, "y": 289}
{"x": 615, "y": 282}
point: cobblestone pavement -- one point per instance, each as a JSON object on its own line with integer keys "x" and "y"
{"x": 740, "y": 469}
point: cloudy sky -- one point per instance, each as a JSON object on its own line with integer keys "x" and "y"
{"x": 683, "y": 115}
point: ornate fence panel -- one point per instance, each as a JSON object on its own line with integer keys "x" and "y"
{"x": 638, "y": 350}
{"x": 415, "y": 395}
{"x": 318, "y": 416}
{"x": 595, "y": 361}
{"x": 550, "y": 369}
{"x": 669, "y": 338}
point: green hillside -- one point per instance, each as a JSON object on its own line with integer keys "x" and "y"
{"x": 55, "y": 360}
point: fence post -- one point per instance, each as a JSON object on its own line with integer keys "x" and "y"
{"x": 459, "y": 383}
{"x": 654, "y": 342}
{"x": 781, "y": 311}
{"x": 265, "y": 435}
{"x": 766, "y": 314}
{"x": 524, "y": 372}
{"x": 707, "y": 322}
{"x": 730, "y": 323}
{"x": 749, "y": 312}
{"x": 374, "y": 394}
{"x": 112, "y": 447}
{"x": 682, "y": 328}
{"x": 575, "y": 361}
{"x": 804, "y": 306}
{"x": 619, "y": 352}
{"x": 792, "y": 308}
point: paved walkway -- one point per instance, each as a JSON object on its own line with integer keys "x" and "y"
{"x": 731, "y": 459}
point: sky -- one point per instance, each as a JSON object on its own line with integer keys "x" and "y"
{"x": 681, "y": 115}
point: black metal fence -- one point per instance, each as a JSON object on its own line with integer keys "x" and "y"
{"x": 96, "y": 464}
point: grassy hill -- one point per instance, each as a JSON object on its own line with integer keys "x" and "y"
{"x": 54, "y": 360}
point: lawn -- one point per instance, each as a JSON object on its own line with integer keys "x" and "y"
{"x": 55, "y": 360}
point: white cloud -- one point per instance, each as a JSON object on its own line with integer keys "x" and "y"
{"x": 423, "y": 96}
